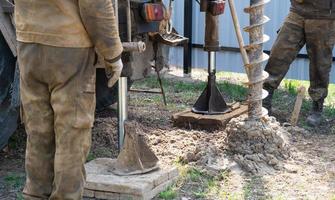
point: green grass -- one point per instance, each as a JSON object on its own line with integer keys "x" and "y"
{"x": 168, "y": 194}
{"x": 14, "y": 180}
{"x": 90, "y": 157}
{"x": 194, "y": 174}
{"x": 180, "y": 93}
{"x": 201, "y": 184}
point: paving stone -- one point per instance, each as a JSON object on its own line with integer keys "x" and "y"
{"x": 163, "y": 177}
{"x": 88, "y": 193}
{"x": 131, "y": 197}
{"x": 100, "y": 178}
{"x": 161, "y": 188}
{"x": 106, "y": 195}
{"x": 173, "y": 173}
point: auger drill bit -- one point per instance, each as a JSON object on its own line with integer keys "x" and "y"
{"x": 256, "y": 58}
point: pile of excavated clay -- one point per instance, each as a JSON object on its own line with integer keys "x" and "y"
{"x": 259, "y": 146}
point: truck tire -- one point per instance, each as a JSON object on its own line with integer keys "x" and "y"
{"x": 9, "y": 111}
{"x": 106, "y": 96}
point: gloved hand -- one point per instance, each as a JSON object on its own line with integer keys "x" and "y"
{"x": 113, "y": 71}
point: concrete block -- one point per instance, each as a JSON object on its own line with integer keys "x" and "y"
{"x": 173, "y": 173}
{"x": 88, "y": 193}
{"x": 100, "y": 178}
{"x": 131, "y": 197}
{"x": 161, "y": 188}
{"x": 106, "y": 195}
{"x": 163, "y": 177}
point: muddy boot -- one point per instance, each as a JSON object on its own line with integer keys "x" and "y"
{"x": 267, "y": 102}
{"x": 315, "y": 118}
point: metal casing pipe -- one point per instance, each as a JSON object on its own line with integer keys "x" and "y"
{"x": 122, "y": 108}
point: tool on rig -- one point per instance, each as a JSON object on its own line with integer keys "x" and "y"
{"x": 211, "y": 101}
{"x": 135, "y": 156}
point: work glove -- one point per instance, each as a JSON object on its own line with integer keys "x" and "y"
{"x": 113, "y": 71}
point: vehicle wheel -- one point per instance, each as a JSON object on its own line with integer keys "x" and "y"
{"x": 8, "y": 111}
{"x": 106, "y": 96}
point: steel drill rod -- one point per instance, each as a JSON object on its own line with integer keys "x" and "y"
{"x": 211, "y": 62}
{"x": 122, "y": 108}
{"x": 123, "y": 89}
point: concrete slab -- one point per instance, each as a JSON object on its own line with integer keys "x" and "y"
{"x": 102, "y": 184}
{"x": 188, "y": 119}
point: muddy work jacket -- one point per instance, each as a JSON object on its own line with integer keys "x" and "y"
{"x": 314, "y": 9}
{"x": 69, "y": 23}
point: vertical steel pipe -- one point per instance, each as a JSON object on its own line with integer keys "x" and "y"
{"x": 123, "y": 89}
{"x": 122, "y": 108}
{"x": 188, "y": 25}
{"x": 256, "y": 57}
{"x": 211, "y": 62}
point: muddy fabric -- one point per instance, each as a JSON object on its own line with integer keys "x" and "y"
{"x": 58, "y": 103}
{"x": 314, "y": 9}
{"x": 319, "y": 37}
{"x": 55, "y": 23}
{"x": 69, "y": 23}
{"x": 100, "y": 22}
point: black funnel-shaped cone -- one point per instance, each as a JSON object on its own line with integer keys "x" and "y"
{"x": 211, "y": 101}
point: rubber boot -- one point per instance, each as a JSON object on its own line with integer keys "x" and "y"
{"x": 315, "y": 118}
{"x": 267, "y": 102}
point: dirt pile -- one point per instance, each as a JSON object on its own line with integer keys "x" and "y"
{"x": 260, "y": 146}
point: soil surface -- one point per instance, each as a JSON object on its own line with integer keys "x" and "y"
{"x": 308, "y": 174}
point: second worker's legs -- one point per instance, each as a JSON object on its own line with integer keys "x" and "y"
{"x": 320, "y": 39}
{"x": 289, "y": 42}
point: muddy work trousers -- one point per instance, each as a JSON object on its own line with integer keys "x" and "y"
{"x": 319, "y": 37}
{"x": 58, "y": 104}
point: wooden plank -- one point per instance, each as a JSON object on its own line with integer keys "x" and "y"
{"x": 7, "y": 29}
{"x": 297, "y": 106}
{"x": 188, "y": 119}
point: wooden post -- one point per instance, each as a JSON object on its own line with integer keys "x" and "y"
{"x": 297, "y": 106}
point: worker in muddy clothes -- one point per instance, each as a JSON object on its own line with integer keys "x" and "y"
{"x": 56, "y": 42}
{"x": 312, "y": 23}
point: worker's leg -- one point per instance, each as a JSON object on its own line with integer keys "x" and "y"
{"x": 320, "y": 39}
{"x": 38, "y": 119}
{"x": 289, "y": 42}
{"x": 73, "y": 102}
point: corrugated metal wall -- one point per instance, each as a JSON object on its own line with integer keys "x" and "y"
{"x": 231, "y": 61}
